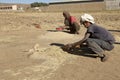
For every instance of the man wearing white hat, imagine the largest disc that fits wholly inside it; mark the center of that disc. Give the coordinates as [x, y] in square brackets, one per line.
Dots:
[97, 38]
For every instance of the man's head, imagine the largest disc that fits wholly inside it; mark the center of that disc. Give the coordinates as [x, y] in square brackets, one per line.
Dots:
[66, 14]
[86, 20]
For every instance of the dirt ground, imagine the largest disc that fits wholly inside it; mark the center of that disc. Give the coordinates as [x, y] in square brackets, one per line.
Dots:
[30, 48]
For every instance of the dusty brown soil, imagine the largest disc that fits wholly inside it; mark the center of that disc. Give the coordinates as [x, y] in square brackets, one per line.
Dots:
[28, 52]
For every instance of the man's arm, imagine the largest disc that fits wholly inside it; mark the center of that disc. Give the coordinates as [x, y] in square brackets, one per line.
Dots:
[81, 41]
[67, 47]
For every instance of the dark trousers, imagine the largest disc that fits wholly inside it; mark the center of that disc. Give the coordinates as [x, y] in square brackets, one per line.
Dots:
[98, 46]
[74, 28]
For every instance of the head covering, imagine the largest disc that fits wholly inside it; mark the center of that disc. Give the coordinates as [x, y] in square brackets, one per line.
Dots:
[87, 17]
[66, 14]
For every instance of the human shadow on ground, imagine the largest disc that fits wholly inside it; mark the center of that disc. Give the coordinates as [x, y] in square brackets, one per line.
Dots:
[57, 44]
[83, 51]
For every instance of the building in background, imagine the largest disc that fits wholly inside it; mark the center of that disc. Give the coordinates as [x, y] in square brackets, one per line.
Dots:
[112, 4]
[13, 7]
[8, 8]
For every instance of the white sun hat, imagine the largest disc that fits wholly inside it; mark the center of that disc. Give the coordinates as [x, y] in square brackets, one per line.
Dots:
[87, 17]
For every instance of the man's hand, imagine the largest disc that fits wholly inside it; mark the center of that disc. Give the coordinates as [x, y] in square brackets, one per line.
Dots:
[67, 47]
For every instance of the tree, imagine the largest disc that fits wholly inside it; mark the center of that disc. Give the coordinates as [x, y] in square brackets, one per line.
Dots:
[38, 4]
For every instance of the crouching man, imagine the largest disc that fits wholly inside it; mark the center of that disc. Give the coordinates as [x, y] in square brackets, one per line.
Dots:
[97, 38]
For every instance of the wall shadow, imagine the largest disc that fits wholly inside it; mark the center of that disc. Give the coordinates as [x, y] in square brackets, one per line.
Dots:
[114, 30]
[59, 31]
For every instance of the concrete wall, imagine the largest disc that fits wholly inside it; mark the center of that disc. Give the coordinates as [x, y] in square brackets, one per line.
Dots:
[112, 4]
[89, 6]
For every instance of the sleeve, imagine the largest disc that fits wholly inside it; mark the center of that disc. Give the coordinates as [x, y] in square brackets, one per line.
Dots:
[90, 30]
